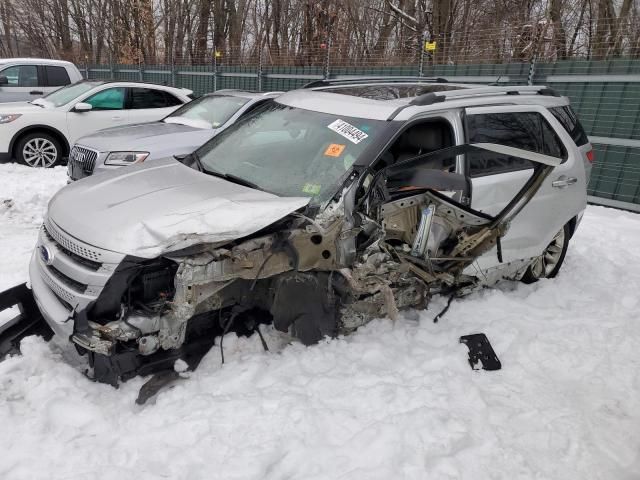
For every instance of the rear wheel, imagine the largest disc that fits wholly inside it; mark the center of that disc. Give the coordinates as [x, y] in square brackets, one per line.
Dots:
[548, 264]
[39, 150]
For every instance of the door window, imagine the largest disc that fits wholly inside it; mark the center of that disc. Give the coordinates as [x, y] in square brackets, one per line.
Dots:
[142, 98]
[525, 130]
[57, 76]
[110, 99]
[21, 76]
[419, 139]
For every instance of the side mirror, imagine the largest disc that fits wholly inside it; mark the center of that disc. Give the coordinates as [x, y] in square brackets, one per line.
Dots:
[4, 80]
[82, 107]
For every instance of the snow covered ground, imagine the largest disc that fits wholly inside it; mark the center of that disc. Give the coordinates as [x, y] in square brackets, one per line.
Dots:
[391, 401]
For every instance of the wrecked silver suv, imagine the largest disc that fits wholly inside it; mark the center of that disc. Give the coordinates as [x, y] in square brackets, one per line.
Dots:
[326, 208]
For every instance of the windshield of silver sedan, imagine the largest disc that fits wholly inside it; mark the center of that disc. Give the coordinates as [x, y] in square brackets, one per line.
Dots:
[211, 111]
[290, 151]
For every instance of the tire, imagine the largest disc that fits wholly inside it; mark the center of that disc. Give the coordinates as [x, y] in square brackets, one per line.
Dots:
[542, 267]
[39, 150]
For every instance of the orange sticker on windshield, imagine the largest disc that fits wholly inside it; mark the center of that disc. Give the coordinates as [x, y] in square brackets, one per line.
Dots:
[334, 150]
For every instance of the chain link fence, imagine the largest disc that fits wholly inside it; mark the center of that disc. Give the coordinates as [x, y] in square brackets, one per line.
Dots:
[605, 93]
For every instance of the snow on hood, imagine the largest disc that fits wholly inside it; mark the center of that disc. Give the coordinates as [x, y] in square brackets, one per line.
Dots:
[150, 209]
[153, 137]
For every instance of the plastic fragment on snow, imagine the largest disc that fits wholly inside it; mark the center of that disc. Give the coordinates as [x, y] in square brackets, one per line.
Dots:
[481, 353]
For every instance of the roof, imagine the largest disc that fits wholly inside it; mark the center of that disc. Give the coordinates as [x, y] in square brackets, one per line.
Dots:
[244, 93]
[184, 91]
[401, 100]
[29, 61]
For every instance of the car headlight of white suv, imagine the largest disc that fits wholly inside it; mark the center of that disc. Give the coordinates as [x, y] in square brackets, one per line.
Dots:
[9, 117]
[125, 158]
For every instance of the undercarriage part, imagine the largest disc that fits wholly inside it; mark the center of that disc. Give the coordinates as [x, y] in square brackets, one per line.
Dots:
[28, 322]
[376, 290]
[481, 354]
[158, 382]
[126, 361]
[305, 306]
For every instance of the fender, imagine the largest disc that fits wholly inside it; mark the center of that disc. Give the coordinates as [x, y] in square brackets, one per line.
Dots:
[47, 128]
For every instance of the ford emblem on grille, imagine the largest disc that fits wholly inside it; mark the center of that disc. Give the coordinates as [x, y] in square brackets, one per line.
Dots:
[46, 255]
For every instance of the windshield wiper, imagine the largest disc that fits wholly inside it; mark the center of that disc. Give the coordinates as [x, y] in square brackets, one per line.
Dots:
[227, 176]
[189, 159]
[241, 181]
[232, 178]
[196, 157]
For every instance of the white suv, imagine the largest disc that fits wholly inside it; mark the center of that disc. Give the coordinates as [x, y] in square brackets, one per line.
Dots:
[39, 133]
[23, 79]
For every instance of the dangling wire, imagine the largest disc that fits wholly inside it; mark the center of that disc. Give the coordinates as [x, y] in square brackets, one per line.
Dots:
[264, 343]
[224, 332]
[444, 310]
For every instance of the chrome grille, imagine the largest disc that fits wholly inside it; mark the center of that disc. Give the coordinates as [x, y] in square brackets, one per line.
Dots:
[82, 161]
[59, 291]
[69, 244]
[67, 281]
[90, 264]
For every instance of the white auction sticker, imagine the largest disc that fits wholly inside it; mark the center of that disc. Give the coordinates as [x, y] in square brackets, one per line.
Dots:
[348, 131]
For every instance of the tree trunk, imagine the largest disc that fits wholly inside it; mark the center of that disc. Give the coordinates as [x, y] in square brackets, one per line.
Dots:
[559, 32]
[200, 47]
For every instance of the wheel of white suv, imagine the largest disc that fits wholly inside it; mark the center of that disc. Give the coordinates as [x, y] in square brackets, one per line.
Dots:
[39, 150]
[548, 264]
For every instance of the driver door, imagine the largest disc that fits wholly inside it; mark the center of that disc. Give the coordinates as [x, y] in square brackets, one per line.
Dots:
[108, 111]
[497, 178]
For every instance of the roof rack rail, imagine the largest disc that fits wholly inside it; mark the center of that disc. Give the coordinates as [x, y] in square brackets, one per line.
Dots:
[497, 90]
[437, 97]
[355, 80]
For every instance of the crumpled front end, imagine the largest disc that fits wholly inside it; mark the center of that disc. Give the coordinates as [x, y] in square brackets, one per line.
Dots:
[311, 278]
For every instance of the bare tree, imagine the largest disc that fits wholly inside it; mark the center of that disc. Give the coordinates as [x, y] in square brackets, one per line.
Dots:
[303, 31]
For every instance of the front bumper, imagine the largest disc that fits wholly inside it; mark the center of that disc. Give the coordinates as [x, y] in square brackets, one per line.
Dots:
[57, 316]
[73, 276]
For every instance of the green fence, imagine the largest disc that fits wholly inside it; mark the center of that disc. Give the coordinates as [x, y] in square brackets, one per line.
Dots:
[605, 94]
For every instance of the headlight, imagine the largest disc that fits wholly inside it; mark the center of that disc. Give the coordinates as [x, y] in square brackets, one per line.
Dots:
[125, 158]
[9, 117]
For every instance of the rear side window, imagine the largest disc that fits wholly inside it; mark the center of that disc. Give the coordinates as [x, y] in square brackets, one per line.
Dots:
[148, 98]
[109, 99]
[57, 76]
[569, 120]
[524, 130]
[173, 101]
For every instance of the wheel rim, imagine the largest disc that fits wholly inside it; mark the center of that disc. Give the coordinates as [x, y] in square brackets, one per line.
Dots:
[39, 152]
[547, 262]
